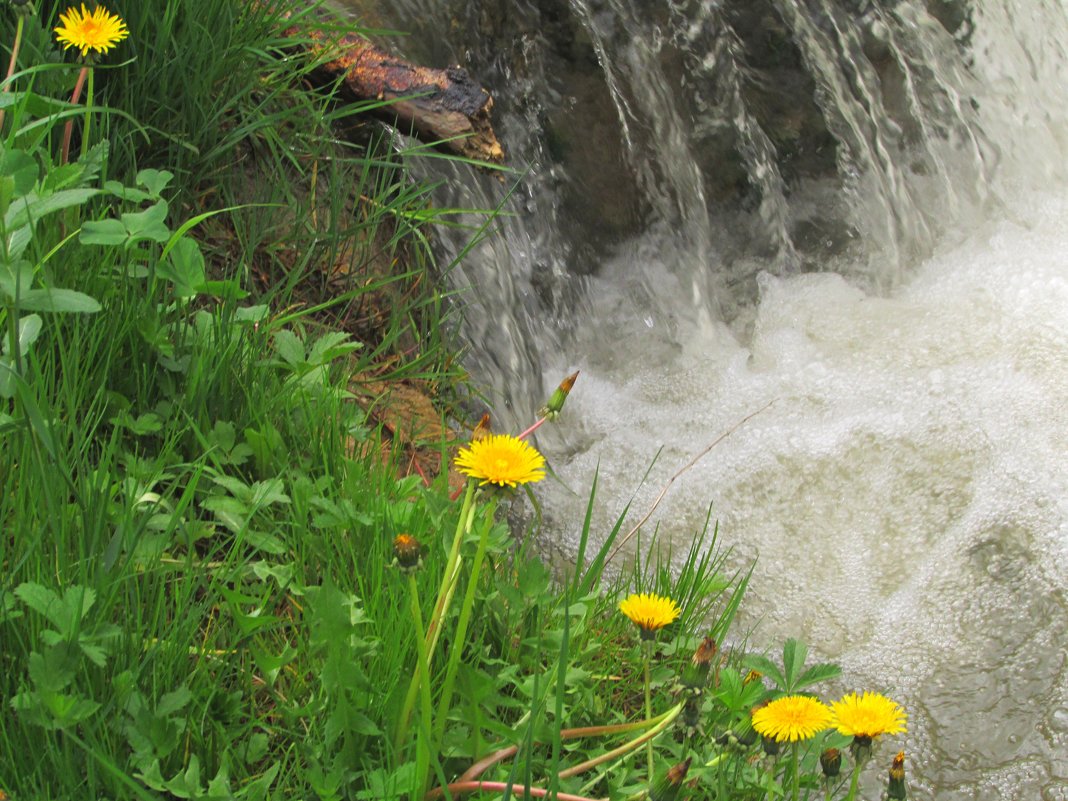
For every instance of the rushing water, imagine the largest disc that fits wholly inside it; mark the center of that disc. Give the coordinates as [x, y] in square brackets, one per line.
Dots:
[857, 211]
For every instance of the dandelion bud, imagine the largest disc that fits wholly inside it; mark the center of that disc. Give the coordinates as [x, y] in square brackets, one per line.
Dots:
[695, 675]
[407, 553]
[482, 430]
[667, 785]
[895, 787]
[556, 402]
[831, 762]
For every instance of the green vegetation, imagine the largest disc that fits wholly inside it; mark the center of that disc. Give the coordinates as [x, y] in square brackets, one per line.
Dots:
[205, 593]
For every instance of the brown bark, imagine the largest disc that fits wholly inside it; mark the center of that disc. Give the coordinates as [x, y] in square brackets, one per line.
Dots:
[444, 107]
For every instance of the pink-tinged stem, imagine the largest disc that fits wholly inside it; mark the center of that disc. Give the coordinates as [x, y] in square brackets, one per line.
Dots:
[502, 754]
[14, 58]
[502, 787]
[533, 428]
[68, 129]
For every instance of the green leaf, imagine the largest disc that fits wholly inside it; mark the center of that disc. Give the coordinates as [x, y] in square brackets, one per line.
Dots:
[53, 670]
[794, 653]
[127, 193]
[816, 674]
[63, 613]
[266, 493]
[251, 314]
[763, 665]
[289, 347]
[268, 543]
[17, 241]
[184, 267]
[155, 181]
[172, 702]
[102, 232]
[330, 346]
[29, 329]
[149, 224]
[32, 208]
[58, 300]
[227, 290]
[21, 168]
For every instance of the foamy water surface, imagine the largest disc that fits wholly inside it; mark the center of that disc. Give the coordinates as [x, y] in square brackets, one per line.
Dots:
[905, 497]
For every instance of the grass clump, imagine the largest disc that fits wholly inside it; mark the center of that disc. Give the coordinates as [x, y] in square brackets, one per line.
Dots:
[198, 520]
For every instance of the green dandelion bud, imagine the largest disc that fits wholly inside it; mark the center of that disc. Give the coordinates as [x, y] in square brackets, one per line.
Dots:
[667, 785]
[895, 786]
[831, 762]
[555, 403]
[407, 553]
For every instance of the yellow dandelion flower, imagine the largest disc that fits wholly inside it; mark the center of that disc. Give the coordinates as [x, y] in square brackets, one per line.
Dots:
[98, 31]
[792, 718]
[867, 716]
[501, 459]
[649, 612]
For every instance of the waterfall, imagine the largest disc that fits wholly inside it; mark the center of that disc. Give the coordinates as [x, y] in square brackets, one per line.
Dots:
[857, 211]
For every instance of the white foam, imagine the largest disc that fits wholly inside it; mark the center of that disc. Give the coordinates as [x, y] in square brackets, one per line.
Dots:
[906, 494]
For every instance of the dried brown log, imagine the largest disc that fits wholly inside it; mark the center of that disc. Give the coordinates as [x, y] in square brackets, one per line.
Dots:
[441, 106]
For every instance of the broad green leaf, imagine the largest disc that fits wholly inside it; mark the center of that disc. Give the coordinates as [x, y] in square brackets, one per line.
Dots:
[15, 278]
[53, 670]
[173, 701]
[817, 673]
[155, 181]
[330, 346]
[58, 300]
[31, 208]
[761, 664]
[102, 232]
[21, 167]
[251, 314]
[149, 224]
[268, 543]
[63, 613]
[184, 267]
[127, 193]
[29, 328]
[794, 653]
[289, 347]
[266, 493]
[17, 242]
[227, 290]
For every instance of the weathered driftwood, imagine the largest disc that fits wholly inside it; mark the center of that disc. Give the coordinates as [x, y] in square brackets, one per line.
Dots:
[438, 106]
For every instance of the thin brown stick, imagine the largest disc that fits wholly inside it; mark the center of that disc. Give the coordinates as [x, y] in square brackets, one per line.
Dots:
[626, 537]
[539, 792]
[501, 754]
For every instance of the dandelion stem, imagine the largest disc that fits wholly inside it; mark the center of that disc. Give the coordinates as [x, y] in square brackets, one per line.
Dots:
[422, 760]
[797, 771]
[506, 787]
[445, 699]
[854, 780]
[68, 129]
[479, 767]
[441, 606]
[14, 58]
[88, 111]
[662, 722]
[533, 428]
[648, 702]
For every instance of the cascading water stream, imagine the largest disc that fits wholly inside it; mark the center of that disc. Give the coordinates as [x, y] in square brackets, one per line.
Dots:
[859, 211]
